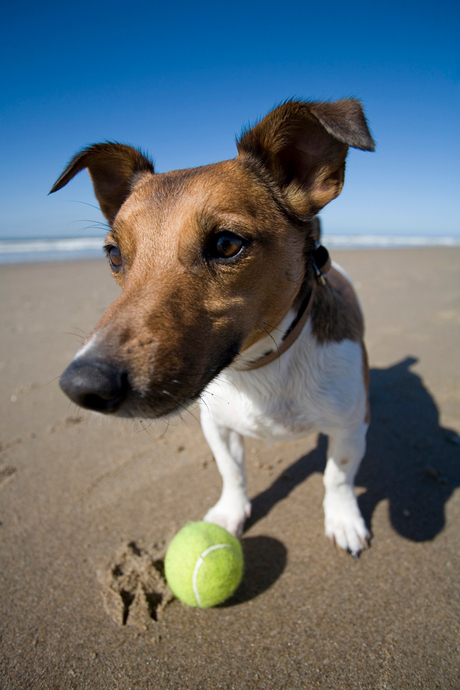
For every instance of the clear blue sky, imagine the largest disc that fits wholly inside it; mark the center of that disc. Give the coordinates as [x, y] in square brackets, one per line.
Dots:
[180, 79]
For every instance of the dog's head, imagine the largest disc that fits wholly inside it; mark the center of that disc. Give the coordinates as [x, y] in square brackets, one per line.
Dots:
[209, 259]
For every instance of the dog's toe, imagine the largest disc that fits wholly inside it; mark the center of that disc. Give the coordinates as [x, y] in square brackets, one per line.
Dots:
[352, 536]
[229, 517]
[345, 526]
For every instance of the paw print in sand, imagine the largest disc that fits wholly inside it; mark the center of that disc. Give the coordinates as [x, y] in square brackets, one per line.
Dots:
[134, 588]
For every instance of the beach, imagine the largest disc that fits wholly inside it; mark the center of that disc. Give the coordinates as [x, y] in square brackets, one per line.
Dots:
[88, 505]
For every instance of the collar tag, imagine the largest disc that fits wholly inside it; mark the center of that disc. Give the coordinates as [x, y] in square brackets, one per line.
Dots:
[321, 263]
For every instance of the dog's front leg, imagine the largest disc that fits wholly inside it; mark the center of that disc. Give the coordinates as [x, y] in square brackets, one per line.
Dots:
[343, 521]
[233, 507]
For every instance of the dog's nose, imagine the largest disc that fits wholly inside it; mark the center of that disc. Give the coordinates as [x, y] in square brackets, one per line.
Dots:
[94, 385]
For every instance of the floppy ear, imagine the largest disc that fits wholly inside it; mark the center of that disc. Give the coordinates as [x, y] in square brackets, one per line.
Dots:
[112, 168]
[303, 147]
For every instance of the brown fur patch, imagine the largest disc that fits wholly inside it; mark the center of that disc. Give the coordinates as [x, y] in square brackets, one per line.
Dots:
[367, 417]
[336, 314]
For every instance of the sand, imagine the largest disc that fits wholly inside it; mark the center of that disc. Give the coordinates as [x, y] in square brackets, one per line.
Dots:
[88, 504]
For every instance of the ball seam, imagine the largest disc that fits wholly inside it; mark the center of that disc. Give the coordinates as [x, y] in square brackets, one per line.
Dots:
[199, 563]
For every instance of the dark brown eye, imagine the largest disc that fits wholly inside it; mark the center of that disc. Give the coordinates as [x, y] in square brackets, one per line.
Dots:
[115, 257]
[225, 245]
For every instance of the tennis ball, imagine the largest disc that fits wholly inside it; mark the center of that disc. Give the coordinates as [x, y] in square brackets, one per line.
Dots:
[203, 564]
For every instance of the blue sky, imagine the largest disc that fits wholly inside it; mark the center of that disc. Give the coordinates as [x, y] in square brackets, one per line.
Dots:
[181, 79]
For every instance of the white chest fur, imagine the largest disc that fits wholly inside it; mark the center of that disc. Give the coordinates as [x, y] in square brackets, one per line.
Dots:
[310, 388]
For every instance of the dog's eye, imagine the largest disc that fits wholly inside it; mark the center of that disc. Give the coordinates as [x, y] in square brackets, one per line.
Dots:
[225, 245]
[115, 257]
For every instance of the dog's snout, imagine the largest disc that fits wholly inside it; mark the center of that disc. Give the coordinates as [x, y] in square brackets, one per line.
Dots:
[94, 385]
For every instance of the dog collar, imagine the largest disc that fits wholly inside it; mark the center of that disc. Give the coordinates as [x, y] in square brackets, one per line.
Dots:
[321, 265]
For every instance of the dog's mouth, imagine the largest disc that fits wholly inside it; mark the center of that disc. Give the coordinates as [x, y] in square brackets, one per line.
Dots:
[100, 385]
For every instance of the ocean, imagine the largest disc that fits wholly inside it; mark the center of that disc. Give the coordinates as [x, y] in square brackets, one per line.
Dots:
[14, 251]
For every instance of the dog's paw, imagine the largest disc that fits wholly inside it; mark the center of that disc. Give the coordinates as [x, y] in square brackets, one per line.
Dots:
[344, 524]
[229, 515]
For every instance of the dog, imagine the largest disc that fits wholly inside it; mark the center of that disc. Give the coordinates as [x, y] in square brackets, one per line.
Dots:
[227, 300]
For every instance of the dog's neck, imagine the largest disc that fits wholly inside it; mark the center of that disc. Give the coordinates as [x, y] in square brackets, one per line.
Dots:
[281, 338]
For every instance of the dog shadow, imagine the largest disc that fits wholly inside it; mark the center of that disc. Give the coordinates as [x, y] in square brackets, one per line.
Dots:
[410, 460]
[265, 559]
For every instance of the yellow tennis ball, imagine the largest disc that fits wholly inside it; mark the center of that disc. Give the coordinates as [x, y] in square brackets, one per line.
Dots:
[204, 564]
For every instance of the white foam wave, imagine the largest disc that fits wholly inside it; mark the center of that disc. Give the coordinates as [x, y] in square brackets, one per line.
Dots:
[388, 241]
[71, 244]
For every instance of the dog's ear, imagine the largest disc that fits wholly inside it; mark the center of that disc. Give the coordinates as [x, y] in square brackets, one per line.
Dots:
[303, 147]
[112, 168]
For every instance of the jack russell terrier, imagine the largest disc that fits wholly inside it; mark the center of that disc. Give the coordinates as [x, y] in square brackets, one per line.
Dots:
[227, 299]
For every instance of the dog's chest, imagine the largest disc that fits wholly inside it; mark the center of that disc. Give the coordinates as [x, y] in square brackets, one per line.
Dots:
[260, 413]
[293, 396]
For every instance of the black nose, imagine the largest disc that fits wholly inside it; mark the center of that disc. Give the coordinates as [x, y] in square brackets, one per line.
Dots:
[94, 385]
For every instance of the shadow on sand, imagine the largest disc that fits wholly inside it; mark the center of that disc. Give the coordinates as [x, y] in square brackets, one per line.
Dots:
[264, 560]
[410, 460]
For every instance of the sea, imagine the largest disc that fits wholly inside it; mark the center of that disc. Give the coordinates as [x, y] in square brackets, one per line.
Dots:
[13, 251]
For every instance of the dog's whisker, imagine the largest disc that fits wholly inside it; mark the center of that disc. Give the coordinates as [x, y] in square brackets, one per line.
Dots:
[190, 412]
[52, 380]
[93, 227]
[143, 428]
[166, 421]
[214, 395]
[81, 338]
[96, 223]
[85, 333]
[84, 203]
[270, 335]
[203, 402]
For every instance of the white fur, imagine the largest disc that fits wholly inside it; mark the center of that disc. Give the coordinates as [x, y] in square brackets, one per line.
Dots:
[310, 388]
[90, 343]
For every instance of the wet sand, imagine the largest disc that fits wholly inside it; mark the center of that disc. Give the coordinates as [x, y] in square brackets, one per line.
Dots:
[87, 505]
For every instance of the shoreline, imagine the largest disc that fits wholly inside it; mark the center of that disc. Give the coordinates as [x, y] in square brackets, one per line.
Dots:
[30, 250]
